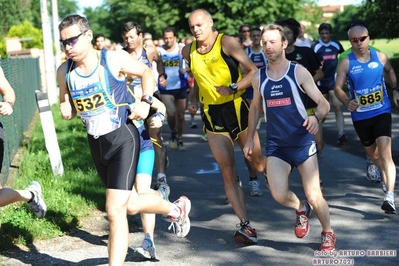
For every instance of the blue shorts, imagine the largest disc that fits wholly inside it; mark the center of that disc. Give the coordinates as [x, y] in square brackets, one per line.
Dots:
[294, 156]
[147, 157]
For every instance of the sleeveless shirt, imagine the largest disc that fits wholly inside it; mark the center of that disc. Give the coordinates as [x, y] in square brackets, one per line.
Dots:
[214, 68]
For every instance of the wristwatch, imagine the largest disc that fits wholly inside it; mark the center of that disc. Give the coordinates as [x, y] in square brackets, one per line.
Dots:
[234, 87]
[147, 99]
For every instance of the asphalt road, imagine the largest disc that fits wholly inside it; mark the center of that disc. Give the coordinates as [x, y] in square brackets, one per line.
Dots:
[365, 234]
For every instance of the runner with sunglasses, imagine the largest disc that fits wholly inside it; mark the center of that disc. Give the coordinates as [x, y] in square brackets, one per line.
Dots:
[364, 70]
[93, 84]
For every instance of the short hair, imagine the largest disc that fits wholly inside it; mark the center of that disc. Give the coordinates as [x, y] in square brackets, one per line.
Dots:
[75, 19]
[325, 26]
[272, 26]
[255, 29]
[358, 26]
[99, 35]
[290, 23]
[169, 29]
[128, 26]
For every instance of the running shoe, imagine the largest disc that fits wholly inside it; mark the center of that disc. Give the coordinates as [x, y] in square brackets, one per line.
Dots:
[342, 139]
[192, 125]
[37, 203]
[373, 173]
[173, 143]
[255, 191]
[165, 191]
[146, 250]
[327, 241]
[389, 206]
[302, 222]
[204, 137]
[180, 146]
[181, 225]
[246, 234]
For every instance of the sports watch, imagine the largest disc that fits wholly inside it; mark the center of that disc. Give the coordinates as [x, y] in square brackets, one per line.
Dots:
[234, 87]
[147, 99]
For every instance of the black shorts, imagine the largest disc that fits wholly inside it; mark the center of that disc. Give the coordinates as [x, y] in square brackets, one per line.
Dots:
[178, 94]
[230, 117]
[116, 155]
[370, 129]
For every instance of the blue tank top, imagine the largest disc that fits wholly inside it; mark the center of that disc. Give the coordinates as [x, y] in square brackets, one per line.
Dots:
[100, 98]
[366, 84]
[284, 102]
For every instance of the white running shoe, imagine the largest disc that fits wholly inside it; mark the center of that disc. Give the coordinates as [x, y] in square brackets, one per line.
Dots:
[373, 173]
[181, 225]
[146, 250]
[37, 203]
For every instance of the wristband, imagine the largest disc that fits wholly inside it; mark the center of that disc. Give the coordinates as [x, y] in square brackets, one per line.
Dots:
[147, 99]
[395, 88]
[314, 114]
[160, 115]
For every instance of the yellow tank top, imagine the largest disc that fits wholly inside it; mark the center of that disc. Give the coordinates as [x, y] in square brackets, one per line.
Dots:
[214, 68]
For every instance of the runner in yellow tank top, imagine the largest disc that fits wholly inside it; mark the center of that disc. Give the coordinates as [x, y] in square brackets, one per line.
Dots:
[215, 60]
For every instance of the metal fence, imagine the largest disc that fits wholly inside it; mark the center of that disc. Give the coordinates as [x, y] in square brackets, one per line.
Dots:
[24, 76]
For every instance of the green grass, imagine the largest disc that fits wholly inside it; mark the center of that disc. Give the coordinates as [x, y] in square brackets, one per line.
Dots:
[69, 198]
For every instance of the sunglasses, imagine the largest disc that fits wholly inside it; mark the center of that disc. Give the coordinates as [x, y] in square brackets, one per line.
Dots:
[71, 41]
[361, 39]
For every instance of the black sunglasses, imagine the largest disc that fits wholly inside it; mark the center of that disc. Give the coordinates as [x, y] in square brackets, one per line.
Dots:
[71, 41]
[361, 39]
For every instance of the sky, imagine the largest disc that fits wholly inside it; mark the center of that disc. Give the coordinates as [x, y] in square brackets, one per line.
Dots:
[95, 3]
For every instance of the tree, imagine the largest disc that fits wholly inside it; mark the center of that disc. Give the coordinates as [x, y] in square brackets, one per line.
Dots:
[26, 30]
[13, 12]
[340, 21]
[154, 15]
[381, 17]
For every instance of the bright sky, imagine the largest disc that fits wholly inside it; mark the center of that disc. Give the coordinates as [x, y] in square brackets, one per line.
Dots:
[95, 3]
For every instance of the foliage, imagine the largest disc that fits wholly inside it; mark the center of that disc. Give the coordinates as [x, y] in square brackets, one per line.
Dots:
[66, 7]
[228, 15]
[27, 30]
[3, 49]
[69, 198]
[341, 21]
[381, 17]
[13, 12]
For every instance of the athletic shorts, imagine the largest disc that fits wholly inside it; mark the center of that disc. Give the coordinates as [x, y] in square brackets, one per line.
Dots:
[178, 94]
[147, 157]
[370, 129]
[230, 117]
[325, 90]
[294, 156]
[116, 155]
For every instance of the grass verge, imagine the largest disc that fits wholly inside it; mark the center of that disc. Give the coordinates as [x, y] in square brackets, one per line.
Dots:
[69, 198]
